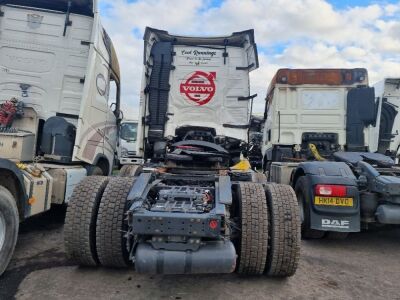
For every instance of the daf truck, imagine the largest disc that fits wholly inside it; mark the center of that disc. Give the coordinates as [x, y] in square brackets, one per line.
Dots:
[321, 137]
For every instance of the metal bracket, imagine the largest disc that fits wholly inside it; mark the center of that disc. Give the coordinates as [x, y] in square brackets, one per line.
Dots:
[24, 89]
[247, 98]
[225, 190]
[245, 68]
[139, 186]
[236, 126]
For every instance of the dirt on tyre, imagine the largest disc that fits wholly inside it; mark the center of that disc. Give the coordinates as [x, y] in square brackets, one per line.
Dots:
[80, 221]
[111, 223]
[253, 217]
[130, 171]
[303, 194]
[9, 223]
[284, 231]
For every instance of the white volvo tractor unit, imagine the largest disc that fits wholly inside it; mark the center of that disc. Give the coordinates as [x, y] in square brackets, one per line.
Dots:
[197, 206]
[56, 123]
[321, 137]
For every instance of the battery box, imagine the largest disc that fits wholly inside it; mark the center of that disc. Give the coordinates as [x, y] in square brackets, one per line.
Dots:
[18, 146]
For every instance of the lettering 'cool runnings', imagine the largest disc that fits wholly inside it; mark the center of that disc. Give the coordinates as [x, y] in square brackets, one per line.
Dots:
[198, 87]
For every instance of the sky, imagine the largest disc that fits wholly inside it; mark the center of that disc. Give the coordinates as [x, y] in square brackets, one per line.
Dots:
[288, 33]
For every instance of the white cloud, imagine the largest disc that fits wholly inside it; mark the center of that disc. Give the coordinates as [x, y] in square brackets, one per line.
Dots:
[313, 32]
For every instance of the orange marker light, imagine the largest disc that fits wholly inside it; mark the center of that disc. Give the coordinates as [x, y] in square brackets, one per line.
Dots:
[31, 200]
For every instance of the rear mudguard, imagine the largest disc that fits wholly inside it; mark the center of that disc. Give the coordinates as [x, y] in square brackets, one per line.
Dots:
[332, 218]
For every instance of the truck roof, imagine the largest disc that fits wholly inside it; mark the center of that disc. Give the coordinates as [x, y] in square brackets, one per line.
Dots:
[235, 39]
[332, 77]
[80, 7]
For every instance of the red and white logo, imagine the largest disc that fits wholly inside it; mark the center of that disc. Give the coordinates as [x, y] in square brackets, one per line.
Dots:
[198, 87]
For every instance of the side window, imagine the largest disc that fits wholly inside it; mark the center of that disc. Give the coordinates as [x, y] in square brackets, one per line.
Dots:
[269, 111]
[112, 92]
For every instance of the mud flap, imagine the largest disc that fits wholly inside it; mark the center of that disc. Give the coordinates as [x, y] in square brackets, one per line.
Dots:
[335, 218]
[336, 222]
[330, 217]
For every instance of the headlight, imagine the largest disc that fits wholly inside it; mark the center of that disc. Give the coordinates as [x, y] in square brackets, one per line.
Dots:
[124, 152]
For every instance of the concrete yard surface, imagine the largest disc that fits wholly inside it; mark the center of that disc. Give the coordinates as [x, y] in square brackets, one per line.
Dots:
[363, 266]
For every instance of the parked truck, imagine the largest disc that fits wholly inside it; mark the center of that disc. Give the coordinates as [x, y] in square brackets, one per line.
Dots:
[197, 207]
[57, 125]
[320, 137]
[127, 149]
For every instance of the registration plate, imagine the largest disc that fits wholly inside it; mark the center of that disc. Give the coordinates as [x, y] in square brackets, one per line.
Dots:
[333, 201]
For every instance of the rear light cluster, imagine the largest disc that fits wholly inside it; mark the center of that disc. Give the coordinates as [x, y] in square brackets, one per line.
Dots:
[213, 224]
[321, 76]
[328, 190]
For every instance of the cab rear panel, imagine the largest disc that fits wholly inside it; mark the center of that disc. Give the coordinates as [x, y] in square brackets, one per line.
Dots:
[196, 82]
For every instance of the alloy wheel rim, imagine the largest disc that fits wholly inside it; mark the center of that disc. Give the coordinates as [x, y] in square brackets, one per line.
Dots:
[2, 230]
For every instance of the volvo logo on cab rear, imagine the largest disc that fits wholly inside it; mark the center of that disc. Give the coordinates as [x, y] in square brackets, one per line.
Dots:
[198, 88]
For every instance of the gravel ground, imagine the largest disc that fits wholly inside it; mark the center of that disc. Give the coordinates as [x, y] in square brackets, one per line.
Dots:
[364, 266]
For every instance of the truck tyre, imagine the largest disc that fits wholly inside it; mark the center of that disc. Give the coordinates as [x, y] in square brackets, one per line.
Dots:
[258, 177]
[303, 190]
[267, 169]
[284, 231]
[80, 221]
[111, 224]
[253, 244]
[97, 171]
[94, 170]
[9, 223]
[130, 170]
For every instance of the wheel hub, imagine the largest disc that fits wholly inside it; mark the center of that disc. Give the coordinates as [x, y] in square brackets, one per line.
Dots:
[2, 230]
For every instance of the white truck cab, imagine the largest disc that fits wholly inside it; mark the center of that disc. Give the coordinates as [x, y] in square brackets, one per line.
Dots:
[195, 88]
[58, 122]
[127, 149]
[310, 105]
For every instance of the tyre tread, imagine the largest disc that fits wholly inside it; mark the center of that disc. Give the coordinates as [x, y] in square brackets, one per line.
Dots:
[80, 221]
[110, 240]
[284, 231]
[254, 226]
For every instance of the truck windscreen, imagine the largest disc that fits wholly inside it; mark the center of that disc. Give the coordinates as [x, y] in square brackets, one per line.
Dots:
[81, 7]
[128, 131]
